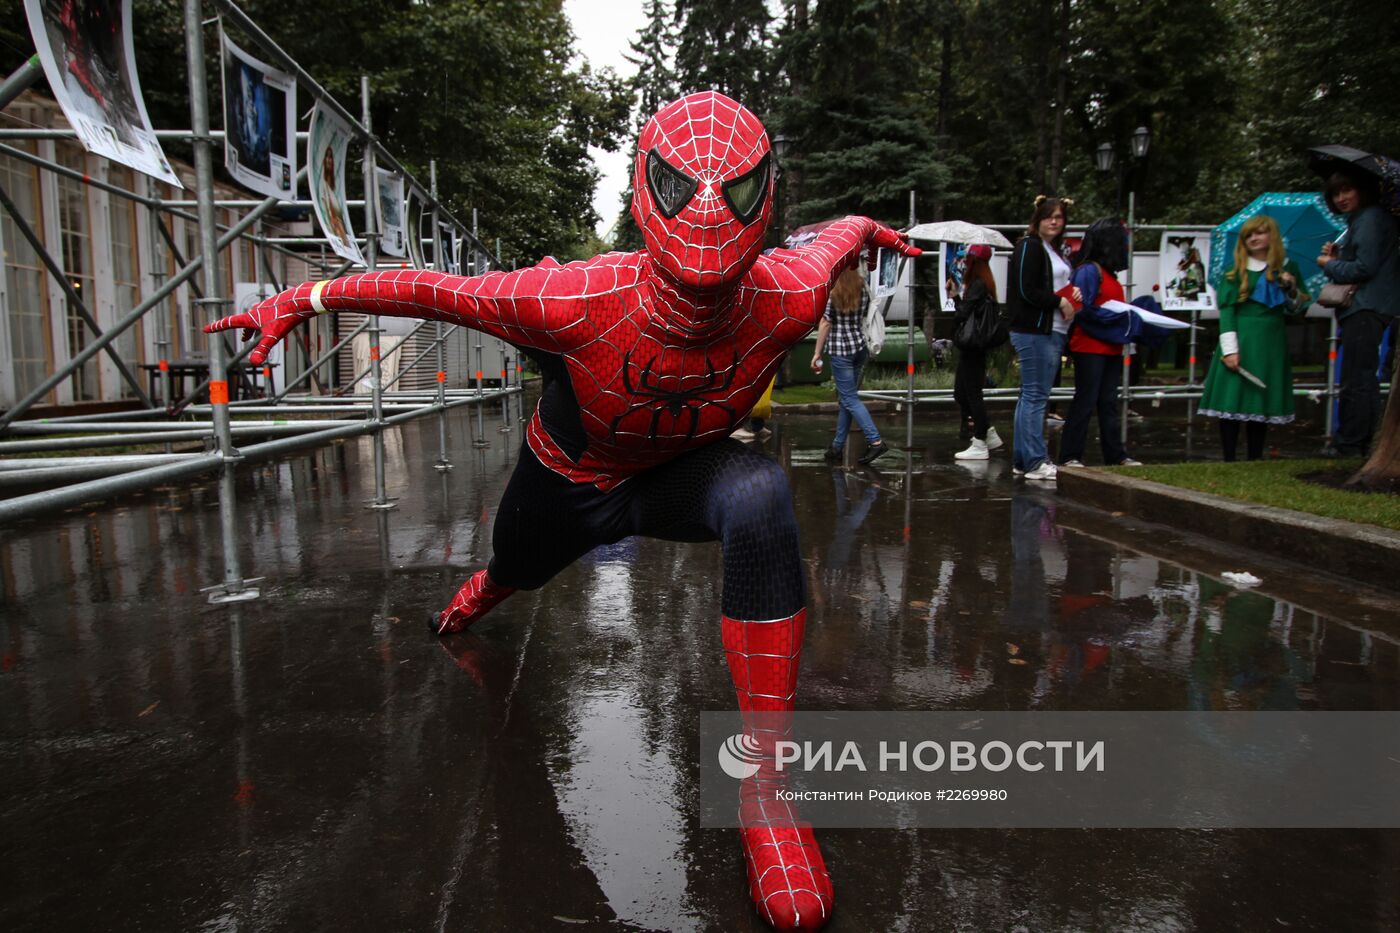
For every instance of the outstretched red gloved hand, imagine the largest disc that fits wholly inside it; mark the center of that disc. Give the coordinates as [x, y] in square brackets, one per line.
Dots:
[888, 238]
[273, 317]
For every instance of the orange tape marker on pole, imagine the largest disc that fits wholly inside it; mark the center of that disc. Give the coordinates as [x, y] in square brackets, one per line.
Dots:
[165, 366]
[374, 353]
[218, 392]
[441, 376]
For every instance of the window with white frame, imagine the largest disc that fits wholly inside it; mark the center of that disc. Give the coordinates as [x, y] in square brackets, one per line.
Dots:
[126, 270]
[26, 285]
[75, 234]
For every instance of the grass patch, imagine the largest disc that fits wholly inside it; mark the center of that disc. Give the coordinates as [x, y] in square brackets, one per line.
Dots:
[1277, 483]
[805, 394]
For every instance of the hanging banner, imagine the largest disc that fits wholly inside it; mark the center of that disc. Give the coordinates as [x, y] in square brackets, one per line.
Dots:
[1184, 258]
[330, 140]
[448, 250]
[392, 234]
[260, 107]
[414, 210]
[85, 48]
[886, 273]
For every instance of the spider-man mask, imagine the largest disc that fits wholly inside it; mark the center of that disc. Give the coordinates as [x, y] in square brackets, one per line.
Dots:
[702, 189]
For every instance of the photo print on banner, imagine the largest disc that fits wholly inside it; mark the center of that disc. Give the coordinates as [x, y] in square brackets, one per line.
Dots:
[448, 249]
[1185, 258]
[392, 234]
[414, 210]
[886, 273]
[330, 140]
[85, 49]
[260, 107]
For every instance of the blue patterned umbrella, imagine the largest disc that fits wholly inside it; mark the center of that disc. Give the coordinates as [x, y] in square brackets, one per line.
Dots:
[1302, 218]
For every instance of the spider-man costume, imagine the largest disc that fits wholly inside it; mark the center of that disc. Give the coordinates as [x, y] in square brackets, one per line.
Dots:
[651, 359]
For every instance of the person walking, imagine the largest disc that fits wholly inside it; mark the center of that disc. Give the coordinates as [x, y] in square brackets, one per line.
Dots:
[1364, 256]
[1250, 382]
[1098, 362]
[840, 326]
[975, 310]
[1039, 306]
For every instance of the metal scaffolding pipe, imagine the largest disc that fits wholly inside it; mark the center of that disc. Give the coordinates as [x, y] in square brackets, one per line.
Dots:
[33, 428]
[30, 463]
[71, 293]
[282, 59]
[435, 345]
[365, 372]
[20, 507]
[159, 295]
[153, 204]
[54, 132]
[329, 354]
[20, 80]
[199, 435]
[50, 499]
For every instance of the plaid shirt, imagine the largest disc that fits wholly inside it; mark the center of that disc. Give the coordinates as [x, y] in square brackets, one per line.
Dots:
[847, 336]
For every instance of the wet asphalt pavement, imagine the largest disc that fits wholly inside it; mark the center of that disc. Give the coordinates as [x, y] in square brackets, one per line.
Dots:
[315, 761]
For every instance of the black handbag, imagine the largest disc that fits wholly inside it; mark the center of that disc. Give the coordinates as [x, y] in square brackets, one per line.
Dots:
[981, 327]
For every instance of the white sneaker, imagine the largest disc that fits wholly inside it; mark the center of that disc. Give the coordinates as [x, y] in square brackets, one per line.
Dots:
[976, 451]
[1073, 463]
[1045, 472]
[993, 440]
[1129, 461]
[742, 434]
[1017, 471]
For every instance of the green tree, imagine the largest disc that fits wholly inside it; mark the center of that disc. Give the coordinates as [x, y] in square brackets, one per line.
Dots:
[860, 127]
[723, 45]
[653, 86]
[485, 87]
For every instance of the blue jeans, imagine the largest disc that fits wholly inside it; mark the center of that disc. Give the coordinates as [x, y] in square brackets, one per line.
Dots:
[846, 372]
[1040, 357]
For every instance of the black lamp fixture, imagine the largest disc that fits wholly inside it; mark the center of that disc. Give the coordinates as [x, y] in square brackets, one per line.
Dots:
[1103, 157]
[1141, 139]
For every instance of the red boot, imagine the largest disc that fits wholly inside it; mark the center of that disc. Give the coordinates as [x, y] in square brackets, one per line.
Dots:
[788, 880]
[477, 597]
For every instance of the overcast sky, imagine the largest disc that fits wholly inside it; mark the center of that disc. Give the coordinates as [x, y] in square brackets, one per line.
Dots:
[604, 28]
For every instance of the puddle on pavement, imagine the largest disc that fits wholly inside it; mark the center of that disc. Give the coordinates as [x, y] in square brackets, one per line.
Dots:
[315, 760]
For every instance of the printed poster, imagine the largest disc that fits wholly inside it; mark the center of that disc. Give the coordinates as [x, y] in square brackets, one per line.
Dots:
[328, 149]
[886, 273]
[1185, 258]
[85, 49]
[260, 107]
[416, 202]
[392, 235]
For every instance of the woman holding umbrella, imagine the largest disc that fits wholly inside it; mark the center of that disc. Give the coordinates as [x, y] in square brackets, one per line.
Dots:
[1365, 256]
[1250, 381]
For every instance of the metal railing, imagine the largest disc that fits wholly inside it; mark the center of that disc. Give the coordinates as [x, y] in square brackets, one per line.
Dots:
[76, 479]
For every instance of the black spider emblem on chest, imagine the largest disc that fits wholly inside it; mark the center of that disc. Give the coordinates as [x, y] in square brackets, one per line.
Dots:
[676, 402]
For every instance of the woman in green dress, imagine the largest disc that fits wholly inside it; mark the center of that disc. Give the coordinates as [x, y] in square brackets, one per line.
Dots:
[1250, 382]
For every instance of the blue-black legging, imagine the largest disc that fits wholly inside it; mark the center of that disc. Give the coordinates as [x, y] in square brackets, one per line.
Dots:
[723, 492]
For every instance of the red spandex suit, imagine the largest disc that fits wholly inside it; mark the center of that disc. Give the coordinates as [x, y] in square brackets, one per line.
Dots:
[650, 360]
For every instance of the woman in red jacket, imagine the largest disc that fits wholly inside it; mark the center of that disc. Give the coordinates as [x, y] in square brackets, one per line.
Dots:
[1098, 364]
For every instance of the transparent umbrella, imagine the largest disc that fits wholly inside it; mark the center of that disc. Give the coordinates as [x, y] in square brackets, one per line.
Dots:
[959, 231]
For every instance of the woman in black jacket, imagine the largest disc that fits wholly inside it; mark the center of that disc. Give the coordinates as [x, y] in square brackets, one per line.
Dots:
[1038, 299]
[1365, 256]
[979, 297]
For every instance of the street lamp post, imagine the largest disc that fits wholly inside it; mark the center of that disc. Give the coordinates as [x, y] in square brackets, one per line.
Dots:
[780, 145]
[1138, 144]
